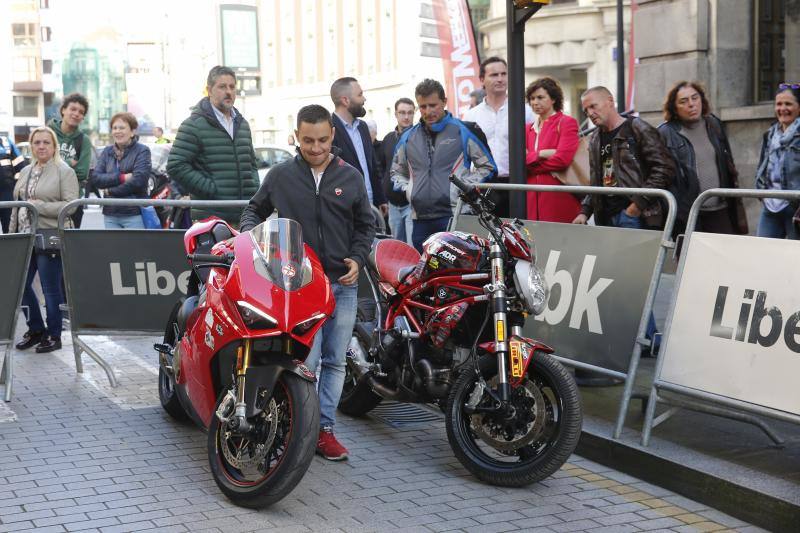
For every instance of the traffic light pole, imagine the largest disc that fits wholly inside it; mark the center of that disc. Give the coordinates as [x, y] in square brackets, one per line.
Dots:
[515, 23]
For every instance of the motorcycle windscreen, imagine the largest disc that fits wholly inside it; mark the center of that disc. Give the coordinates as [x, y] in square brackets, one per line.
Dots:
[281, 254]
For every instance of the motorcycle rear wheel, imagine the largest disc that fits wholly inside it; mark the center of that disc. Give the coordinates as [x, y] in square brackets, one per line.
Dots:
[166, 381]
[357, 398]
[264, 475]
[548, 421]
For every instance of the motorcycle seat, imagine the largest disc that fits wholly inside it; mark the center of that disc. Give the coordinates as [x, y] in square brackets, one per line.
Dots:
[393, 260]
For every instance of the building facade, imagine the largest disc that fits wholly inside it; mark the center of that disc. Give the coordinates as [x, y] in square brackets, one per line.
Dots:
[739, 49]
[26, 56]
[388, 45]
[573, 41]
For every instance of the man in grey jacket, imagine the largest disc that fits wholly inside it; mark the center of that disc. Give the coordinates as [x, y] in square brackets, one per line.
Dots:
[329, 200]
[428, 153]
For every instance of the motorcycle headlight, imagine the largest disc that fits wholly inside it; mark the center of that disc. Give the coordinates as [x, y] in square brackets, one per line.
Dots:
[532, 286]
[255, 318]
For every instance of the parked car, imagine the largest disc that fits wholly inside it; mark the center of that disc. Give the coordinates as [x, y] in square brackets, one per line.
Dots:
[268, 156]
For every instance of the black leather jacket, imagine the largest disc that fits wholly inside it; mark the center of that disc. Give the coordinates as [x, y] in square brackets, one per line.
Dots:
[640, 160]
[687, 186]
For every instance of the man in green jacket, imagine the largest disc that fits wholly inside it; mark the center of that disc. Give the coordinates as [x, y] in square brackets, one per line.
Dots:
[74, 146]
[212, 157]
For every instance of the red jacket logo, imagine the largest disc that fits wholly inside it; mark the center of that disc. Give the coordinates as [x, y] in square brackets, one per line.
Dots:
[338, 191]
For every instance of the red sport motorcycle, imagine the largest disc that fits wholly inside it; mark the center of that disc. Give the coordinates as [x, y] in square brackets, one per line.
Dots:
[445, 327]
[233, 352]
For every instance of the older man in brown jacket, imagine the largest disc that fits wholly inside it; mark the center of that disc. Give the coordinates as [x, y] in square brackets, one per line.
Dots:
[623, 152]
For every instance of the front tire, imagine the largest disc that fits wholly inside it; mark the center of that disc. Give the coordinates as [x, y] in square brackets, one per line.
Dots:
[258, 471]
[527, 447]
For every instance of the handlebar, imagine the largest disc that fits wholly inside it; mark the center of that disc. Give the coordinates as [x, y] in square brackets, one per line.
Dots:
[210, 258]
[470, 193]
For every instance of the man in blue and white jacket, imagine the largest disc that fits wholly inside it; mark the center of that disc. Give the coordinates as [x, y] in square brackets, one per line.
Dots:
[429, 152]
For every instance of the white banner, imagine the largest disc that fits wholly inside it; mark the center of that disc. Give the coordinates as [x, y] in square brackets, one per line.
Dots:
[736, 327]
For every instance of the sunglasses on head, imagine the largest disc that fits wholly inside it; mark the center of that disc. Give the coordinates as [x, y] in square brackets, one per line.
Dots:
[783, 86]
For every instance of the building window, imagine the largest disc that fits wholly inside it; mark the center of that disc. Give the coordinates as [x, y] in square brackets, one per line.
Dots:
[44, 4]
[47, 66]
[49, 98]
[26, 106]
[25, 69]
[24, 34]
[777, 39]
[47, 33]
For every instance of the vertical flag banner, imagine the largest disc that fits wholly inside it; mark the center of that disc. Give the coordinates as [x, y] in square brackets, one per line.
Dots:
[459, 53]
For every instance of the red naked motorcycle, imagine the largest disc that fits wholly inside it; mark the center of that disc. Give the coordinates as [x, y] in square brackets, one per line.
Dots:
[445, 327]
[233, 352]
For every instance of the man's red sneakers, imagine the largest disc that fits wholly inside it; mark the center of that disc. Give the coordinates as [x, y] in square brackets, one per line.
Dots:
[330, 448]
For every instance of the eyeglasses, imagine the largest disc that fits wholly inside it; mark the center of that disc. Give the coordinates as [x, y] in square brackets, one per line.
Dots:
[784, 85]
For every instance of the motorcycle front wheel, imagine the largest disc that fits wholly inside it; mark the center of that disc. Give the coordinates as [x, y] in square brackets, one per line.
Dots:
[261, 467]
[529, 442]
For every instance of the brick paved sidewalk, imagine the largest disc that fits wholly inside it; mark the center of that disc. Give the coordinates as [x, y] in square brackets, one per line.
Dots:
[77, 455]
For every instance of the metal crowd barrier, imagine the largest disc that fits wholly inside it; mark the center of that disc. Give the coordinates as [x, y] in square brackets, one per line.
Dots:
[710, 402]
[123, 281]
[665, 243]
[16, 250]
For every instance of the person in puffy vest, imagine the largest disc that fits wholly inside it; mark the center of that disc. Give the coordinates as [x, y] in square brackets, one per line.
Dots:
[212, 157]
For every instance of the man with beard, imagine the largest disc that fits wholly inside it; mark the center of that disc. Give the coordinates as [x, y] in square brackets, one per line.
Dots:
[212, 157]
[354, 142]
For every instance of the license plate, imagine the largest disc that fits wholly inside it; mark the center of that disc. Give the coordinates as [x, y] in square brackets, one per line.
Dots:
[515, 350]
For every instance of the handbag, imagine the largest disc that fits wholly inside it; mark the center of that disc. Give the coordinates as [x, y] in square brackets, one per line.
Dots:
[150, 217]
[577, 173]
[47, 241]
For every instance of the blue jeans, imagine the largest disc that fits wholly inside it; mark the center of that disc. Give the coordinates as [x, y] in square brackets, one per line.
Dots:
[50, 275]
[124, 222]
[777, 225]
[400, 222]
[330, 348]
[425, 228]
[624, 220]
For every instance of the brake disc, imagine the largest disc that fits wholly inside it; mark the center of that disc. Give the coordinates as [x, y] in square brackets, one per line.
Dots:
[492, 430]
[247, 455]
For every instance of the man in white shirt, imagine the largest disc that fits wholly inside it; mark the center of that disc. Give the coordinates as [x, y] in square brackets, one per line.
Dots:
[492, 117]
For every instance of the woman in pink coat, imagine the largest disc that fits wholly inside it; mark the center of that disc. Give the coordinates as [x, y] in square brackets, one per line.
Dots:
[551, 142]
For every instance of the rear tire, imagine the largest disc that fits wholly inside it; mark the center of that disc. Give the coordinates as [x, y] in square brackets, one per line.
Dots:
[166, 381]
[357, 398]
[552, 420]
[291, 448]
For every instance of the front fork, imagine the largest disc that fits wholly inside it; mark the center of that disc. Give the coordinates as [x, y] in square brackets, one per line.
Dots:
[499, 309]
[238, 419]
